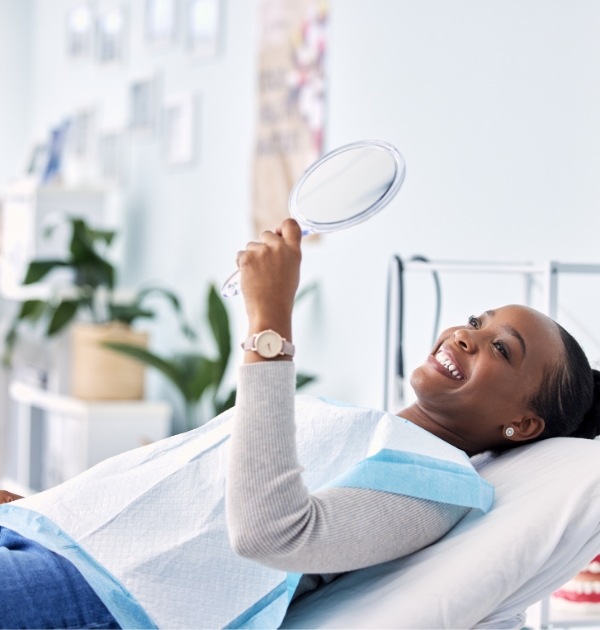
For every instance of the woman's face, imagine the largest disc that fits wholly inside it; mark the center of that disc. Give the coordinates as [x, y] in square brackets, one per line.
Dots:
[497, 362]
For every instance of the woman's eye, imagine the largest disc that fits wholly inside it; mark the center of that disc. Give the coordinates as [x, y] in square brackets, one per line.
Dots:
[473, 321]
[501, 348]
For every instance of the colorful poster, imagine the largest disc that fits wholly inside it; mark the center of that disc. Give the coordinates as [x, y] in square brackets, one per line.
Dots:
[291, 102]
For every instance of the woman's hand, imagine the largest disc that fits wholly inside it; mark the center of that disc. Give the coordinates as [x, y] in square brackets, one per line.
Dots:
[7, 497]
[270, 273]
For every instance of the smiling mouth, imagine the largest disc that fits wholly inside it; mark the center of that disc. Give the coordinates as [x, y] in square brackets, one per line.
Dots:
[445, 361]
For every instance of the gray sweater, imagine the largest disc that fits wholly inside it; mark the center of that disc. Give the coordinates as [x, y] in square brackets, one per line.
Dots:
[273, 519]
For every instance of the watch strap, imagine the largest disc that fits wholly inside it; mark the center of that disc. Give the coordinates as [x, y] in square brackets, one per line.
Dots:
[288, 348]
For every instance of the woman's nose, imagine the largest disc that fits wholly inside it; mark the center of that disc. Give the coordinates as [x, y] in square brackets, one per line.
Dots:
[464, 339]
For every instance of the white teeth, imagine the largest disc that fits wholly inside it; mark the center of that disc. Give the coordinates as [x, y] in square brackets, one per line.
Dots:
[443, 359]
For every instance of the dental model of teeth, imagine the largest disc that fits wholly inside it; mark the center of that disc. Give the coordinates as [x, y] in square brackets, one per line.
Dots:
[582, 593]
[444, 360]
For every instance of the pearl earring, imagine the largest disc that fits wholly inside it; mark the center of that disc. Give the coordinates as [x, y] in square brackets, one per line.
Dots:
[509, 432]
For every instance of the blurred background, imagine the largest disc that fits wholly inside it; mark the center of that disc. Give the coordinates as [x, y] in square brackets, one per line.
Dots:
[143, 143]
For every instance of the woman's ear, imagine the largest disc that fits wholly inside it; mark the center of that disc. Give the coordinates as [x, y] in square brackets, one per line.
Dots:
[528, 427]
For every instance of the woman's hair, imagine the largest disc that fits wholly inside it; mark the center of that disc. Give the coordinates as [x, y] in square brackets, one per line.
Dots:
[569, 397]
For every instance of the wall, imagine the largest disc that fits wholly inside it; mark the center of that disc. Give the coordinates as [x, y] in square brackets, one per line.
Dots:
[15, 49]
[494, 105]
[495, 108]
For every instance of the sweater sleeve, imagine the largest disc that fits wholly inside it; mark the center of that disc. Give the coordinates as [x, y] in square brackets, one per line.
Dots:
[274, 520]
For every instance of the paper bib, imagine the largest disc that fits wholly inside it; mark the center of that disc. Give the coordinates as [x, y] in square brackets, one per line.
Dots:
[147, 528]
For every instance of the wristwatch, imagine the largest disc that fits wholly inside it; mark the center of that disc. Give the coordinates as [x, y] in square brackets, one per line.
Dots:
[269, 344]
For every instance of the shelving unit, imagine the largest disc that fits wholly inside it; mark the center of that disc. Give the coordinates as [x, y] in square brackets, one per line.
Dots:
[78, 434]
[27, 208]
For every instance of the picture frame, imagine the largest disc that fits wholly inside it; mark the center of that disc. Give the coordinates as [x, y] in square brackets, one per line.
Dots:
[179, 129]
[143, 105]
[79, 26]
[203, 26]
[81, 133]
[111, 26]
[112, 146]
[160, 21]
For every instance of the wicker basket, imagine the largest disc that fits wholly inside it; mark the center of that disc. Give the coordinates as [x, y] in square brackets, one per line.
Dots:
[102, 374]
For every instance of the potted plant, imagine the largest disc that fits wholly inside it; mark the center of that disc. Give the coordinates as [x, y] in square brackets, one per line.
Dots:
[196, 375]
[96, 373]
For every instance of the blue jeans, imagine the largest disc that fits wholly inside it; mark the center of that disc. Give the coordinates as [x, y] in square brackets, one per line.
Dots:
[40, 589]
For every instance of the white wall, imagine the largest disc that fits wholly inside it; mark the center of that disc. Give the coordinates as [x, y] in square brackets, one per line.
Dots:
[15, 47]
[495, 106]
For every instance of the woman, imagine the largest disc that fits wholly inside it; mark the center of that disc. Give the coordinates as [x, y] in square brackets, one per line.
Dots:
[509, 377]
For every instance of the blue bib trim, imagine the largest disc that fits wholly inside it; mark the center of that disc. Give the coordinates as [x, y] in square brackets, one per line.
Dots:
[419, 476]
[267, 612]
[119, 601]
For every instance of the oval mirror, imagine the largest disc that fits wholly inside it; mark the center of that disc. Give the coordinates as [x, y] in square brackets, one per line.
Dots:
[343, 188]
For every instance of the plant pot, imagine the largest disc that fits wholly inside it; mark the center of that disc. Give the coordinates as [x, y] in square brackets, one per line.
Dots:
[98, 373]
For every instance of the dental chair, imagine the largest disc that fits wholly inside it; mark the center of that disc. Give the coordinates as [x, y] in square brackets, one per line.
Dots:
[543, 529]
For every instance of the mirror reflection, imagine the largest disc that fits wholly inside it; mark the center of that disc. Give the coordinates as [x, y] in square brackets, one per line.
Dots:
[346, 185]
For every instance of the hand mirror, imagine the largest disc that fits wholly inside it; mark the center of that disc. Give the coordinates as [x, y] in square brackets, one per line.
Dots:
[345, 187]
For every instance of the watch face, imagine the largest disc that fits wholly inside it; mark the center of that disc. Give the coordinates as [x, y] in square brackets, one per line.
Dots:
[268, 344]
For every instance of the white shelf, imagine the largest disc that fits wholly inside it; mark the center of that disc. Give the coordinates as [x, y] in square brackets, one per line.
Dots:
[80, 434]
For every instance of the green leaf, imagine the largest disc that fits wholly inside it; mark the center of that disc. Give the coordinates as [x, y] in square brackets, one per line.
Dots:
[107, 236]
[219, 323]
[227, 403]
[94, 272]
[304, 379]
[311, 288]
[10, 341]
[164, 292]
[83, 242]
[127, 313]
[148, 358]
[32, 310]
[82, 245]
[207, 375]
[39, 268]
[63, 314]
[174, 300]
[49, 229]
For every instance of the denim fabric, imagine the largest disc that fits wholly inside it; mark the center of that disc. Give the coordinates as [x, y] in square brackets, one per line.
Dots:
[40, 589]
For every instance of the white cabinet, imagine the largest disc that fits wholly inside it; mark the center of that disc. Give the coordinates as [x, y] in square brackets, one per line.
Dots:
[71, 435]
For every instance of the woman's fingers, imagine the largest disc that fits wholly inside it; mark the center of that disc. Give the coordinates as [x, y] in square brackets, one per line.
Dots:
[8, 497]
[291, 232]
[270, 238]
[270, 272]
[252, 246]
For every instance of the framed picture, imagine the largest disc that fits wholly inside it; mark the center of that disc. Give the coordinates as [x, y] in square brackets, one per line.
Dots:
[143, 105]
[178, 129]
[203, 27]
[79, 25]
[111, 156]
[110, 35]
[78, 164]
[161, 22]
[81, 134]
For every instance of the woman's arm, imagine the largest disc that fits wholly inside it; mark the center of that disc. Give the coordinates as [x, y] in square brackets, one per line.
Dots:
[273, 519]
[271, 516]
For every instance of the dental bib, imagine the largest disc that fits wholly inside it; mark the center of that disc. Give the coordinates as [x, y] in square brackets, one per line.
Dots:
[147, 528]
